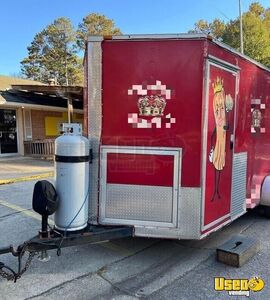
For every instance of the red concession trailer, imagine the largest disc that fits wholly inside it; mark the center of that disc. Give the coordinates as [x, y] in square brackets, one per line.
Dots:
[179, 127]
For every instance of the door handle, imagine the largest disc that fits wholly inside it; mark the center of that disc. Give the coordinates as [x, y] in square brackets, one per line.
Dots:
[231, 141]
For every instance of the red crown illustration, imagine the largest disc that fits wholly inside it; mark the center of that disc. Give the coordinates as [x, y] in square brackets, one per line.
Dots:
[153, 105]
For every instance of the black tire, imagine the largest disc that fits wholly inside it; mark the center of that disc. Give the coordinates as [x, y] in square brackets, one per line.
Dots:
[266, 211]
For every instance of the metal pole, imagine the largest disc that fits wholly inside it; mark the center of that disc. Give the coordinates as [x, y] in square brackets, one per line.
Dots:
[241, 29]
[70, 109]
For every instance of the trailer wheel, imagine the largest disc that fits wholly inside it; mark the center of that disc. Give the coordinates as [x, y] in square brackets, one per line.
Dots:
[266, 211]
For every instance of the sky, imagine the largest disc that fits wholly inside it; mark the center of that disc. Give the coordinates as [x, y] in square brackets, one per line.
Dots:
[20, 20]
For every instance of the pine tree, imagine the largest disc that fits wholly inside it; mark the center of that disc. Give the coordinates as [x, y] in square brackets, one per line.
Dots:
[95, 24]
[52, 54]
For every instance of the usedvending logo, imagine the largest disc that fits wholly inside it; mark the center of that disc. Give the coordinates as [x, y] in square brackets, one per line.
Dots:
[151, 102]
[239, 287]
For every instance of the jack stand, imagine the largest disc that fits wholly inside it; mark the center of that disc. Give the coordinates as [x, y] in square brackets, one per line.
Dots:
[43, 256]
[44, 232]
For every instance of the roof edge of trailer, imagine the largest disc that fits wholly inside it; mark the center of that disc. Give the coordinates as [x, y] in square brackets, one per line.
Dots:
[96, 38]
[227, 47]
[177, 36]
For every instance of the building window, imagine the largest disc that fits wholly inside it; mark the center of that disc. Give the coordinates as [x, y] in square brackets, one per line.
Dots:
[27, 125]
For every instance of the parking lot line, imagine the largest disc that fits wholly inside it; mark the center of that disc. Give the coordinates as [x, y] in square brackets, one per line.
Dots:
[26, 178]
[23, 211]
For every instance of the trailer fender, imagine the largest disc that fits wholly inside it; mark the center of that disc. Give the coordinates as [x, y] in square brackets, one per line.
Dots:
[265, 192]
[265, 196]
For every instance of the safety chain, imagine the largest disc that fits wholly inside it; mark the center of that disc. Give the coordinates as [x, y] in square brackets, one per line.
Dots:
[12, 275]
[7, 275]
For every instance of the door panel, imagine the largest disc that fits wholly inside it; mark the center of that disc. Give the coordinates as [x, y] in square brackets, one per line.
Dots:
[139, 186]
[220, 136]
[8, 131]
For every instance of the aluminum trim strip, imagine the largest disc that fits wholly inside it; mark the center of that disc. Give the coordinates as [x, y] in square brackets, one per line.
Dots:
[215, 222]
[140, 151]
[222, 62]
[94, 122]
[108, 221]
[139, 148]
[215, 229]
[204, 138]
[95, 38]
[224, 66]
[150, 36]
[162, 232]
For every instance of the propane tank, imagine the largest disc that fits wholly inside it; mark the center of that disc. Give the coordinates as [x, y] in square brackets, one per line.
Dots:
[72, 178]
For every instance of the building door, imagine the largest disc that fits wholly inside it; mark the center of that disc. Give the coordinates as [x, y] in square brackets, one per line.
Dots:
[8, 131]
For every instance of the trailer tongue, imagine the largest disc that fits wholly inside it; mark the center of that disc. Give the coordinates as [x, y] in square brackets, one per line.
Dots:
[57, 240]
[68, 200]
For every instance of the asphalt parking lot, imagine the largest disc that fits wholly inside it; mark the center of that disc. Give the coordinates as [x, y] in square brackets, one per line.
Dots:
[129, 268]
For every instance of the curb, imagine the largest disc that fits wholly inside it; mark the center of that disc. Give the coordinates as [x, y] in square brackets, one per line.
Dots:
[26, 178]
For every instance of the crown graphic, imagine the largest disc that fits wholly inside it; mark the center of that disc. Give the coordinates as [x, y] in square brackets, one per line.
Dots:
[218, 85]
[153, 105]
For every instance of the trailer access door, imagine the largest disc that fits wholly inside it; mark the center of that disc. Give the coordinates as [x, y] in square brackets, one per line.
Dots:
[218, 152]
[139, 185]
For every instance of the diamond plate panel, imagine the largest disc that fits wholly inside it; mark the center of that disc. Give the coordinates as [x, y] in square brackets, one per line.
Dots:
[238, 202]
[157, 232]
[189, 212]
[94, 106]
[189, 216]
[139, 203]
